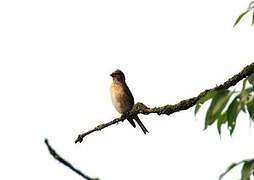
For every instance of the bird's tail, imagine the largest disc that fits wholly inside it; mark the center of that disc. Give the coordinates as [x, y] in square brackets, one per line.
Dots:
[131, 122]
[141, 125]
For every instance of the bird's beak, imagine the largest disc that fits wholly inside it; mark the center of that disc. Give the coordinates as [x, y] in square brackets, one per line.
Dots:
[111, 74]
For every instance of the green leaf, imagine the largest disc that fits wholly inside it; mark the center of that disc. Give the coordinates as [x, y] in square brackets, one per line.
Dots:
[250, 107]
[197, 107]
[221, 120]
[244, 98]
[232, 113]
[251, 77]
[210, 94]
[249, 89]
[252, 18]
[243, 95]
[244, 84]
[218, 103]
[247, 170]
[240, 17]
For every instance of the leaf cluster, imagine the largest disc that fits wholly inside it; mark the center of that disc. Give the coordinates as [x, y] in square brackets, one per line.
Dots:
[225, 105]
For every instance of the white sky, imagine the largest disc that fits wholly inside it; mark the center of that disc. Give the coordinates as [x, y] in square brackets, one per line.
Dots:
[55, 61]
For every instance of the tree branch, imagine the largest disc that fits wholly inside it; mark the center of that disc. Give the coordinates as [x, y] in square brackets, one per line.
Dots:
[140, 108]
[66, 163]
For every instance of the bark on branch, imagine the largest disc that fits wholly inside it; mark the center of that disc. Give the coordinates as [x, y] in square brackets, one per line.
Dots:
[140, 108]
[66, 163]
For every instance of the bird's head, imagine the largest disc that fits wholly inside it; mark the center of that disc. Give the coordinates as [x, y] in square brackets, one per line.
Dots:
[118, 76]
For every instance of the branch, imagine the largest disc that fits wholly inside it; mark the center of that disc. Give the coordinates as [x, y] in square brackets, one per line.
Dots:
[140, 108]
[66, 163]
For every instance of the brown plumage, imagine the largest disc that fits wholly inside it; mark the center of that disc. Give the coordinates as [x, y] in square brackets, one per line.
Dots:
[122, 98]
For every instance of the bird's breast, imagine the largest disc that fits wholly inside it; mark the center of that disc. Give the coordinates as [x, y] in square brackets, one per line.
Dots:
[118, 97]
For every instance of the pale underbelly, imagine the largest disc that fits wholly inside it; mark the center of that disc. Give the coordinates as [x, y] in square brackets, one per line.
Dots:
[120, 104]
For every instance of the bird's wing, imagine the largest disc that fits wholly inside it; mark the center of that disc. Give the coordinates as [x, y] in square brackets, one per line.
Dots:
[128, 95]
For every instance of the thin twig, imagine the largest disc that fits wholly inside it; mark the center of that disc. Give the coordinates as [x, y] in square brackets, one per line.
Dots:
[66, 163]
[140, 108]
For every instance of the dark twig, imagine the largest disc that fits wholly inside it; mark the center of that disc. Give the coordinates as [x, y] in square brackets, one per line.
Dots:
[140, 108]
[66, 163]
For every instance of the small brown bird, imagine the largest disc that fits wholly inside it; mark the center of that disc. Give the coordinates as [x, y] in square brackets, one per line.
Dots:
[122, 98]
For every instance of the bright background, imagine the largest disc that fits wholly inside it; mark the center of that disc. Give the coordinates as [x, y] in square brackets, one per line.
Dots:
[55, 61]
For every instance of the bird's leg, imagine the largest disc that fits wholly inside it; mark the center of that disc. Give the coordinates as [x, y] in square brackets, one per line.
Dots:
[125, 115]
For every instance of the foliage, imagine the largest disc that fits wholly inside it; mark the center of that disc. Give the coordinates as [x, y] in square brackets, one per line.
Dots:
[249, 9]
[243, 101]
[225, 106]
[247, 169]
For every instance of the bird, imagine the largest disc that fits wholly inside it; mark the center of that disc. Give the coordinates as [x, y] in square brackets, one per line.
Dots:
[122, 98]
